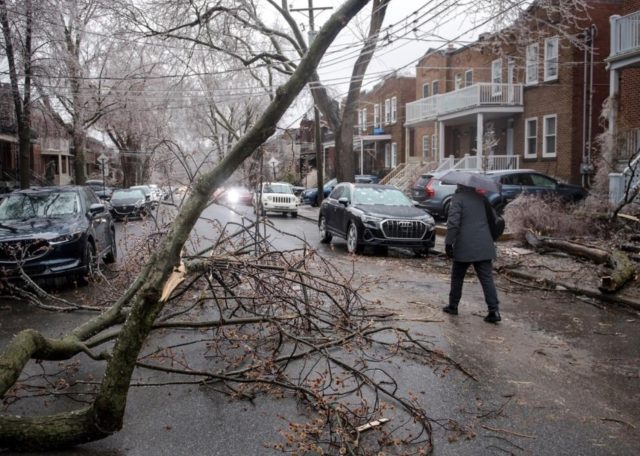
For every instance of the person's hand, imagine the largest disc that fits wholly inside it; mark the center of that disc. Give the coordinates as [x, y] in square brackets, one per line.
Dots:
[448, 249]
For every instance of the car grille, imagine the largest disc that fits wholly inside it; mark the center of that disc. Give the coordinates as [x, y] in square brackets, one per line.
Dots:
[124, 209]
[403, 229]
[283, 199]
[23, 250]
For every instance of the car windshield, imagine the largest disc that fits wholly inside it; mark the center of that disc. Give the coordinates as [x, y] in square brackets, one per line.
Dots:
[378, 195]
[278, 188]
[144, 189]
[41, 204]
[128, 195]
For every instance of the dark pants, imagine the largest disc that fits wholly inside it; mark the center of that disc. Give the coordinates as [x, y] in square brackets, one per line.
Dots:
[484, 273]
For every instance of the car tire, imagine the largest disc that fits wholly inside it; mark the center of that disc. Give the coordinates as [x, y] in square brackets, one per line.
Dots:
[112, 255]
[325, 235]
[445, 209]
[90, 261]
[294, 214]
[262, 211]
[353, 241]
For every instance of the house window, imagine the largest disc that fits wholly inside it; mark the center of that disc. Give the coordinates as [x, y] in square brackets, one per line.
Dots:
[394, 109]
[550, 124]
[530, 137]
[387, 155]
[387, 111]
[496, 77]
[532, 64]
[435, 87]
[425, 146]
[468, 78]
[425, 90]
[394, 154]
[458, 81]
[376, 115]
[551, 59]
[363, 119]
[434, 144]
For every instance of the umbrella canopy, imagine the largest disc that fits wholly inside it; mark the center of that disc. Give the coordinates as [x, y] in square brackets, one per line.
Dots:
[474, 180]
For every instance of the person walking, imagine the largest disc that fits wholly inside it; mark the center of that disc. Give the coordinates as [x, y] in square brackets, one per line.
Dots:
[468, 242]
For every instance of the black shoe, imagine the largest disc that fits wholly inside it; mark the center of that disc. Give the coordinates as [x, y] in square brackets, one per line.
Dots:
[493, 317]
[450, 310]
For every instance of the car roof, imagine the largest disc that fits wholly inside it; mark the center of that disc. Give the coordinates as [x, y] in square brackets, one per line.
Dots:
[52, 188]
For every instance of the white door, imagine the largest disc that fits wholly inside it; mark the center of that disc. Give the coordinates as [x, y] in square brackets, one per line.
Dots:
[510, 137]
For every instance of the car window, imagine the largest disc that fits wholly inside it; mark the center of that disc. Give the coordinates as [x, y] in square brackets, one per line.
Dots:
[378, 195]
[422, 180]
[330, 184]
[510, 179]
[523, 179]
[128, 194]
[277, 188]
[91, 196]
[542, 181]
[337, 192]
[29, 205]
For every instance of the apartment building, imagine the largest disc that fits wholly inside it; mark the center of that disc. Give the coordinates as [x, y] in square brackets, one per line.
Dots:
[380, 141]
[529, 96]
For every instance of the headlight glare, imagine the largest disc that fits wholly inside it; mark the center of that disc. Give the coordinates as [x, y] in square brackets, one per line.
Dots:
[66, 238]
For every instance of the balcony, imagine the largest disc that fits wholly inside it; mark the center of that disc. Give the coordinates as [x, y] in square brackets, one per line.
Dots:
[55, 145]
[625, 36]
[480, 95]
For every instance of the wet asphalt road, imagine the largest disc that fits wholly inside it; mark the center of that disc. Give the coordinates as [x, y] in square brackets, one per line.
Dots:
[557, 377]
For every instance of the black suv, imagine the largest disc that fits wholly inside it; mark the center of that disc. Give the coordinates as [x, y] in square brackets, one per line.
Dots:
[53, 232]
[375, 215]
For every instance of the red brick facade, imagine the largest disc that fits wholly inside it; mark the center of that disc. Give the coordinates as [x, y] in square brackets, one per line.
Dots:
[558, 100]
[391, 96]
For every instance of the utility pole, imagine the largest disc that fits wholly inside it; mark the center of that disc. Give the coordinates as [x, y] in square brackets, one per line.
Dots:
[318, 137]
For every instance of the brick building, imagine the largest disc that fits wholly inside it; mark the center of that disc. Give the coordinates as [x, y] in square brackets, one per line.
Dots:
[380, 141]
[520, 98]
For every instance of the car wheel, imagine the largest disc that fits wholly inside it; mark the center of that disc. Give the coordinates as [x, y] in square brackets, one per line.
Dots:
[445, 209]
[353, 244]
[294, 214]
[90, 261]
[112, 255]
[262, 211]
[325, 236]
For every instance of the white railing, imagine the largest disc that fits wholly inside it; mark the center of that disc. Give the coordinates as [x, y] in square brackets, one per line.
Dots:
[445, 164]
[625, 33]
[55, 144]
[486, 163]
[629, 178]
[476, 95]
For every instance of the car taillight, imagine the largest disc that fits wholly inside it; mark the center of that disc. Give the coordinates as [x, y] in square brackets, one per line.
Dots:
[428, 189]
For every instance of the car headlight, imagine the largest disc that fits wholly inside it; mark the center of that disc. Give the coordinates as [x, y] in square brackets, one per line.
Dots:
[233, 196]
[66, 238]
[371, 221]
[428, 220]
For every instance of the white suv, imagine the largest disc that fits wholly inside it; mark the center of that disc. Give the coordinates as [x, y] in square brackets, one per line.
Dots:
[276, 197]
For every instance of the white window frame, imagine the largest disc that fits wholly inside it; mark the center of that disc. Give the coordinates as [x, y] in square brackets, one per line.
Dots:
[527, 152]
[546, 134]
[376, 115]
[426, 90]
[468, 78]
[458, 81]
[426, 146]
[387, 111]
[434, 145]
[551, 59]
[394, 109]
[363, 121]
[496, 77]
[531, 65]
[394, 155]
[435, 87]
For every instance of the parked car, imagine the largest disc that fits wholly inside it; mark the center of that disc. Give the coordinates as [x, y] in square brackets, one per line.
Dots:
[435, 197]
[129, 202]
[375, 215]
[310, 195]
[52, 232]
[101, 188]
[527, 181]
[152, 196]
[276, 197]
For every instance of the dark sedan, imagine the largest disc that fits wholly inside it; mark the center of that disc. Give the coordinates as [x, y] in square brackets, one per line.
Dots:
[53, 232]
[375, 215]
[128, 202]
[310, 195]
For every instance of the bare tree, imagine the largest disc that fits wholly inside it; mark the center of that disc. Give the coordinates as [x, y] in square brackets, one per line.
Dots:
[18, 35]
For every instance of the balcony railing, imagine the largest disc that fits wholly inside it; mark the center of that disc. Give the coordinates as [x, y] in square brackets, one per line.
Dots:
[625, 34]
[55, 144]
[484, 163]
[474, 96]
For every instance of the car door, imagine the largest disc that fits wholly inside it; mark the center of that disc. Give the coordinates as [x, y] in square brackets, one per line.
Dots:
[100, 222]
[510, 187]
[331, 208]
[342, 209]
[542, 185]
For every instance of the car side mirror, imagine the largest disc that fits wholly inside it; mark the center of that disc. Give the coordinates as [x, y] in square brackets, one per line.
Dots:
[96, 208]
[343, 200]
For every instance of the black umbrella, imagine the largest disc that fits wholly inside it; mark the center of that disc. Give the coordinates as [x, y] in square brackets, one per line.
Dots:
[474, 180]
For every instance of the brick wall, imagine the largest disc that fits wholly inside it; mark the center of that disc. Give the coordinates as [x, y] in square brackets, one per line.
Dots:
[629, 98]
